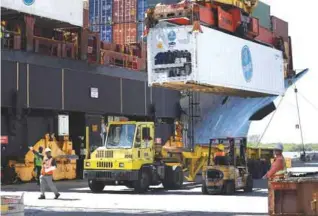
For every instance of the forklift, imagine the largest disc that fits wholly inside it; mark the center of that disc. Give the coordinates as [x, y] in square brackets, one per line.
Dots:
[227, 173]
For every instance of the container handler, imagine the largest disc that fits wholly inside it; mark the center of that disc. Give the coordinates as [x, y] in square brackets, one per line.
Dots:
[133, 158]
[228, 172]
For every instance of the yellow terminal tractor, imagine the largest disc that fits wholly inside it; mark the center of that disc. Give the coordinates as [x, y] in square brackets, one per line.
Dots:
[131, 157]
[227, 171]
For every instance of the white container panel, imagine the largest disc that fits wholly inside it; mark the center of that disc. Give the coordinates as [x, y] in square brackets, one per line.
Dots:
[217, 59]
[69, 11]
[225, 60]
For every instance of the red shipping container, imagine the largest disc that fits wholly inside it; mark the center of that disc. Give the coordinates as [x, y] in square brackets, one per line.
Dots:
[130, 11]
[118, 11]
[124, 11]
[125, 33]
[279, 27]
[265, 36]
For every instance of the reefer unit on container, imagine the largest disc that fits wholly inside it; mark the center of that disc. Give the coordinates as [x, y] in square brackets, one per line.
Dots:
[70, 11]
[212, 61]
[124, 33]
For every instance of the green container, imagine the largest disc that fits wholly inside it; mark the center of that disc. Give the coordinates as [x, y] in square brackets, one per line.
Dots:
[263, 13]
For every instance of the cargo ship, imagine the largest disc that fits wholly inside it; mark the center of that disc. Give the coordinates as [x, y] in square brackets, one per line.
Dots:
[70, 68]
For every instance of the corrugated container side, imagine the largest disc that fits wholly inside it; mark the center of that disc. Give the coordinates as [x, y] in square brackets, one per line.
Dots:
[118, 11]
[280, 27]
[176, 58]
[142, 6]
[106, 33]
[106, 28]
[124, 33]
[94, 18]
[263, 13]
[130, 11]
[140, 31]
[100, 16]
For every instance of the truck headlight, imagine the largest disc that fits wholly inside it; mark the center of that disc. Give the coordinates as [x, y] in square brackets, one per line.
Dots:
[87, 164]
[121, 165]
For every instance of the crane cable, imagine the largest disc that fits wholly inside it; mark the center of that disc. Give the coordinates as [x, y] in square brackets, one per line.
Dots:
[299, 122]
[265, 130]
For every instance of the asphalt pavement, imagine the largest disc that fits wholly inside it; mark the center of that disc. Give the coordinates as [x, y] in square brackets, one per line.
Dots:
[76, 199]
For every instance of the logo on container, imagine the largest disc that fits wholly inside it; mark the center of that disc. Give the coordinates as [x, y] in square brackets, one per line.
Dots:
[247, 64]
[28, 2]
[172, 36]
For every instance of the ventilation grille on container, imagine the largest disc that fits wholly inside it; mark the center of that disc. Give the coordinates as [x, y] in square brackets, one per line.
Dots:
[102, 164]
[104, 154]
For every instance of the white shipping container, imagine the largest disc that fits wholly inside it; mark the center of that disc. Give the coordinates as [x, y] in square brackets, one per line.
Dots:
[69, 11]
[212, 59]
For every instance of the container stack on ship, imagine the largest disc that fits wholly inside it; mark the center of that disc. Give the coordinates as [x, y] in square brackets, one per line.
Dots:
[54, 85]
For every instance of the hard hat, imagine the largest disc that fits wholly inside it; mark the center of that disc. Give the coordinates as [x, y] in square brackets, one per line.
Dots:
[47, 150]
[220, 147]
[279, 146]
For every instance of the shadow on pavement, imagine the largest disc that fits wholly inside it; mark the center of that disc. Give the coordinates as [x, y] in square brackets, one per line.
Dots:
[79, 186]
[30, 212]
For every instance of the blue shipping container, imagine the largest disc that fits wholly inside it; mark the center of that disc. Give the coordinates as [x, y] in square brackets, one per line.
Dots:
[100, 17]
[140, 30]
[142, 6]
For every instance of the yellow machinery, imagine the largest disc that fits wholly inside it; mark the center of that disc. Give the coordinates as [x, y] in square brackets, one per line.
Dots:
[228, 172]
[135, 158]
[62, 151]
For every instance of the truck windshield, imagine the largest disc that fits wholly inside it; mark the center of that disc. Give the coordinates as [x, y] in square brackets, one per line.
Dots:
[120, 136]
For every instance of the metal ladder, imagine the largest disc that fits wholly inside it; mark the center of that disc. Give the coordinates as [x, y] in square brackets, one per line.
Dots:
[194, 117]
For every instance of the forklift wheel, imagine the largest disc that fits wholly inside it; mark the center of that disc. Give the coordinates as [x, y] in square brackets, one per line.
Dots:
[249, 184]
[229, 187]
[204, 189]
[96, 186]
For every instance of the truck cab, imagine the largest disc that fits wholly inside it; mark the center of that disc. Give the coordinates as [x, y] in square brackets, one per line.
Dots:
[128, 158]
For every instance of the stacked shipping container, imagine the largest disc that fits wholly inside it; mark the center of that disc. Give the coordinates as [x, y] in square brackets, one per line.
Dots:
[120, 21]
[100, 18]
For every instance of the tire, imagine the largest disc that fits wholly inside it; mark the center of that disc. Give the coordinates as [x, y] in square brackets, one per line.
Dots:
[173, 178]
[143, 182]
[229, 188]
[129, 185]
[96, 186]
[249, 184]
[204, 189]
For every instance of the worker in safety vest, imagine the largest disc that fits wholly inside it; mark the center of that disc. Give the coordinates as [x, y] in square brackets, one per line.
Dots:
[220, 151]
[278, 167]
[38, 158]
[49, 165]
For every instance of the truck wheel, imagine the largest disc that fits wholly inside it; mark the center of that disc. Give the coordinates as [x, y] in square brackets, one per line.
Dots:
[143, 182]
[204, 189]
[229, 188]
[129, 185]
[249, 184]
[96, 186]
[173, 178]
